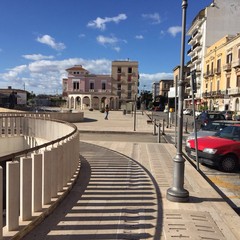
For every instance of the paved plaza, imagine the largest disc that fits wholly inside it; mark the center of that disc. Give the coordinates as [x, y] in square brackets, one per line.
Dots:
[121, 191]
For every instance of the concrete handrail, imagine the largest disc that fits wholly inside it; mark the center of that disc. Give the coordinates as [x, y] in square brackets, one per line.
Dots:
[36, 177]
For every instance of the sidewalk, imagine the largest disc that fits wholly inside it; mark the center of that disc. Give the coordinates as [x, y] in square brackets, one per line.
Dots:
[121, 193]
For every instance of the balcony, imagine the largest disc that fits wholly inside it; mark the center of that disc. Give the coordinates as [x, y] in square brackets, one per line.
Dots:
[197, 46]
[233, 91]
[227, 67]
[194, 59]
[208, 74]
[236, 64]
[217, 71]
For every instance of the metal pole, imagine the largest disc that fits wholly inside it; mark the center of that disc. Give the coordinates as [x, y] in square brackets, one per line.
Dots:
[135, 110]
[194, 121]
[159, 132]
[176, 94]
[177, 193]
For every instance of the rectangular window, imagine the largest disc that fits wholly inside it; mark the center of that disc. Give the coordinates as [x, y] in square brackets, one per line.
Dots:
[129, 70]
[129, 78]
[103, 86]
[208, 69]
[238, 81]
[229, 58]
[129, 96]
[219, 65]
[91, 85]
[119, 70]
[75, 85]
[228, 82]
[218, 84]
[119, 87]
[129, 87]
[211, 67]
[119, 77]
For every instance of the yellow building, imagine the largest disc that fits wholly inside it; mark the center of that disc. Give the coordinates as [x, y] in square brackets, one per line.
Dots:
[125, 82]
[221, 83]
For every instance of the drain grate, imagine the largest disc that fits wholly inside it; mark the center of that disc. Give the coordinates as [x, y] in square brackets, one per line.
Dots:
[191, 225]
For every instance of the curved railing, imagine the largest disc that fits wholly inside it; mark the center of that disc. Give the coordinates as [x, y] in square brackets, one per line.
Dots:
[38, 175]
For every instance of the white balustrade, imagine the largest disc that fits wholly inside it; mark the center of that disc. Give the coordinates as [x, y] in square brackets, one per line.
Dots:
[35, 180]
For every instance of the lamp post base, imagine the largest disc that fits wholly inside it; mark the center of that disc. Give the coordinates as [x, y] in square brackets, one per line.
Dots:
[177, 195]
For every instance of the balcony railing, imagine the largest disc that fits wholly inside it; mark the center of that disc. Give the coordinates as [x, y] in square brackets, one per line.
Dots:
[232, 91]
[217, 71]
[236, 64]
[227, 67]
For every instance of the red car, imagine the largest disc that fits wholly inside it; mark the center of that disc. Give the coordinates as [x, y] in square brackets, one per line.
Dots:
[221, 150]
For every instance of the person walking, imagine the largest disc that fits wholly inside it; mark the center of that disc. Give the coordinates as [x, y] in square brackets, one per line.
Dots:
[106, 112]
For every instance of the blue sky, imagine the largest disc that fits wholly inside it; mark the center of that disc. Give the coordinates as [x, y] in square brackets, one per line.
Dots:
[39, 39]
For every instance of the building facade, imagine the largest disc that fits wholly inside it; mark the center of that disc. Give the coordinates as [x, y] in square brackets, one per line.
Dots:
[210, 25]
[155, 90]
[84, 90]
[125, 82]
[221, 85]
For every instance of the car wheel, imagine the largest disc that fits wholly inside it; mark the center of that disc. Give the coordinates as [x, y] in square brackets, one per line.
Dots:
[228, 163]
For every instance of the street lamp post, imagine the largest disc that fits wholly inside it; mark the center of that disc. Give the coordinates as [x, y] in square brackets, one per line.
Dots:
[177, 193]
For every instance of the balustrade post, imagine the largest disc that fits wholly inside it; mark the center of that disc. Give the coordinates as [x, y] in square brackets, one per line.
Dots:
[60, 182]
[25, 188]
[54, 172]
[12, 195]
[1, 202]
[46, 197]
[37, 182]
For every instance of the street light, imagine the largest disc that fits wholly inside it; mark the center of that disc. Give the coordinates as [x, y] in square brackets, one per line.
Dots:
[177, 193]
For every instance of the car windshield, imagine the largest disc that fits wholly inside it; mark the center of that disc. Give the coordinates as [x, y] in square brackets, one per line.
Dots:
[230, 132]
[213, 126]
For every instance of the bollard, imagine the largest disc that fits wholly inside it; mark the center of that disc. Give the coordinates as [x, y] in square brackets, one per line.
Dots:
[163, 127]
[154, 127]
[186, 131]
[159, 132]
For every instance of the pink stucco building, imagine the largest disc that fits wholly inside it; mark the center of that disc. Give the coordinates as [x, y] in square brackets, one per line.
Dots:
[84, 90]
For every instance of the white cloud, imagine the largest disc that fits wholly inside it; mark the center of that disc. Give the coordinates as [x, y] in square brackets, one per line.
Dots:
[174, 30]
[107, 40]
[36, 57]
[117, 49]
[100, 23]
[139, 37]
[45, 76]
[148, 79]
[82, 35]
[50, 41]
[111, 42]
[14, 72]
[154, 17]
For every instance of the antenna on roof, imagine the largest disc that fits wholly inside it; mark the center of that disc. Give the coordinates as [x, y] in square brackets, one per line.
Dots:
[213, 4]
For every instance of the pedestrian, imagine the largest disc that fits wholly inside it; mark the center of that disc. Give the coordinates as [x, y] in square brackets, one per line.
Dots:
[106, 112]
[204, 118]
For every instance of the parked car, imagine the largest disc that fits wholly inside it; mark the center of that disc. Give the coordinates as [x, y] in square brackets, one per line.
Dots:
[221, 150]
[211, 128]
[205, 117]
[228, 114]
[188, 111]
